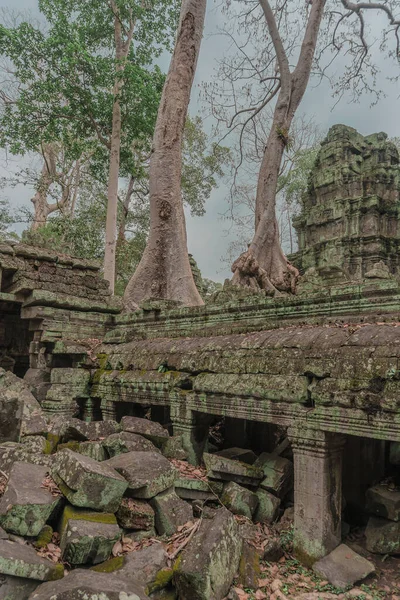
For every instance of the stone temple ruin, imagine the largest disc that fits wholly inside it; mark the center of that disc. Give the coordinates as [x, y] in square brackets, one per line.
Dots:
[292, 401]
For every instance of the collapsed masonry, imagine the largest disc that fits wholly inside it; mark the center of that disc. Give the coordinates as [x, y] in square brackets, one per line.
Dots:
[319, 369]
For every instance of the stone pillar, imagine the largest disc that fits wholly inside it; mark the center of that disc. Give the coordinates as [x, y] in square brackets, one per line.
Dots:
[317, 492]
[193, 427]
[108, 410]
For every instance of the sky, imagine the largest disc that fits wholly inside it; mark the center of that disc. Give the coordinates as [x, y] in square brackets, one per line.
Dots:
[207, 239]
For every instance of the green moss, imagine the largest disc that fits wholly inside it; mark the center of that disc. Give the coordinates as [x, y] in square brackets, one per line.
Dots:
[96, 378]
[44, 537]
[58, 573]
[70, 512]
[177, 564]
[72, 445]
[114, 564]
[162, 580]
[53, 440]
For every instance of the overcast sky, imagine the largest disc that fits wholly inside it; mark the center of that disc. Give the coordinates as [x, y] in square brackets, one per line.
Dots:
[205, 235]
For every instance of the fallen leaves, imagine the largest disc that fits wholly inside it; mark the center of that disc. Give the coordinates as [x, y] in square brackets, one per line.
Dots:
[189, 471]
[50, 485]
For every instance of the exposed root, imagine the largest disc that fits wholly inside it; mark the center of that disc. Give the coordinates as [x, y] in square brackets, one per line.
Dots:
[247, 272]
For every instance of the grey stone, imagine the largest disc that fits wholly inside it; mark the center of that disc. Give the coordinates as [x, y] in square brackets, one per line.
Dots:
[197, 489]
[273, 550]
[239, 500]
[208, 564]
[225, 469]
[135, 514]
[148, 429]
[147, 473]
[249, 566]
[87, 537]
[81, 431]
[36, 444]
[173, 448]
[278, 473]
[246, 456]
[16, 588]
[123, 442]
[343, 567]
[20, 412]
[89, 585]
[383, 502]
[268, 507]
[145, 566]
[170, 512]
[26, 506]
[20, 560]
[87, 483]
[383, 537]
[11, 453]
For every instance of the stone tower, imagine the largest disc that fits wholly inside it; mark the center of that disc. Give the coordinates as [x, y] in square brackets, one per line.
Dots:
[349, 224]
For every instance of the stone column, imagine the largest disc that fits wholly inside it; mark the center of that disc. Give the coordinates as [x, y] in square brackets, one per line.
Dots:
[193, 427]
[108, 410]
[317, 492]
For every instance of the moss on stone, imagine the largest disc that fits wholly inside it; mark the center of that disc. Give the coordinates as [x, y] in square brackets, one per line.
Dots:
[72, 445]
[70, 512]
[109, 566]
[44, 537]
[161, 581]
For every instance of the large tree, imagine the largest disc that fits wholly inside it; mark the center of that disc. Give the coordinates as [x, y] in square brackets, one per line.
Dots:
[87, 82]
[164, 271]
[296, 35]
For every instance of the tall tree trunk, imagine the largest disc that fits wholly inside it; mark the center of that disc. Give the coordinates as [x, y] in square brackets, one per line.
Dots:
[164, 271]
[264, 265]
[115, 151]
[125, 211]
[42, 208]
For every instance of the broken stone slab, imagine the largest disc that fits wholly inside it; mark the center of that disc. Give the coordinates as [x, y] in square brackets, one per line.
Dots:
[147, 473]
[11, 452]
[383, 502]
[225, 469]
[197, 489]
[37, 444]
[383, 536]
[149, 429]
[246, 456]
[89, 585]
[26, 506]
[20, 412]
[170, 512]
[87, 483]
[123, 442]
[87, 537]
[16, 588]
[278, 473]
[249, 566]
[207, 566]
[173, 448]
[135, 514]
[20, 560]
[146, 567]
[343, 567]
[93, 450]
[81, 431]
[268, 507]
[239, 500]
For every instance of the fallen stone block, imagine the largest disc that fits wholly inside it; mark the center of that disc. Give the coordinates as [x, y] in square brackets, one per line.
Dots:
[383, 502]
[87, 537]
[20, 412]
[249, 566]
[207, 566]
[89, 585]
[173, 448]
[197, 489]
[225, 469]
[11, 452]
[135, 514]
[278, 473]
[147, 567]
[123, 442]
[147, 473]
[93, 450]
[20, 560]
[26, 506]
[268, 507]
[149, 429]
[343, 567]
[273, 550]
[170, 512]
[87, 483]
[246, 456]
[16, 588]
[383, 536]
[81, 431]
[37, 444]
[239, 500]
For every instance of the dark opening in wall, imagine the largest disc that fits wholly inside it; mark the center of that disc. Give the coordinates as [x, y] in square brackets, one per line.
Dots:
[6, 277]
[15, 339]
